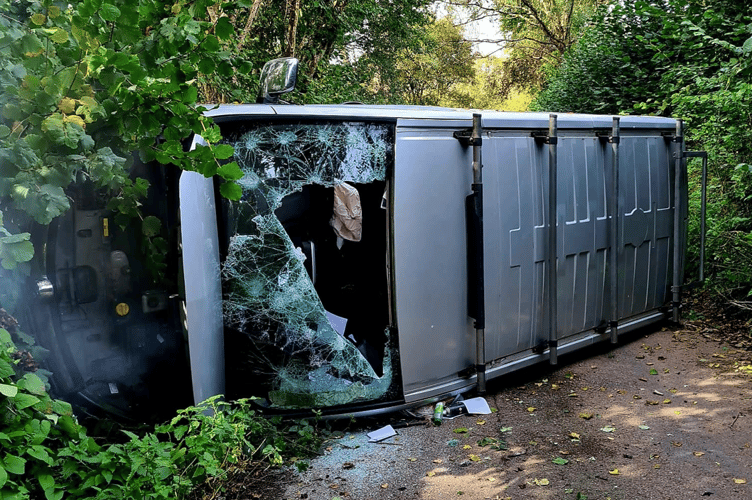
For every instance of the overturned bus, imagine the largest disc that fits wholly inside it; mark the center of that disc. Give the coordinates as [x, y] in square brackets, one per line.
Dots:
[380, 256]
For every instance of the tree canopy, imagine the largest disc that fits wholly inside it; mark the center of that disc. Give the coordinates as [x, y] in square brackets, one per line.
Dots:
[689, 59]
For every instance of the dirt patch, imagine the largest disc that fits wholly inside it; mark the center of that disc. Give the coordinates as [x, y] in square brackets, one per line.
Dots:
[662, 416]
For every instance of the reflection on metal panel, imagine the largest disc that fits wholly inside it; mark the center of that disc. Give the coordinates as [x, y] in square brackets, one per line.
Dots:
[203, 295]
[647, 221]
[515, 173]
[431, 182]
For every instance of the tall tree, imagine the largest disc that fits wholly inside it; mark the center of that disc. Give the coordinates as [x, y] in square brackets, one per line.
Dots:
[532, 34]
[338, 43]
[430, 72]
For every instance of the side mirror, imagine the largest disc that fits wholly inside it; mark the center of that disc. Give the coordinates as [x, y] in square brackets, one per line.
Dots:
[278, 77]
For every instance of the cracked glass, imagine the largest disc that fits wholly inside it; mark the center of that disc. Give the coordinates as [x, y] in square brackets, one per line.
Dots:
[285, 270]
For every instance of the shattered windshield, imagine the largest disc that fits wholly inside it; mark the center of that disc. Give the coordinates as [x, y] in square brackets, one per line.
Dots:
[304, 274]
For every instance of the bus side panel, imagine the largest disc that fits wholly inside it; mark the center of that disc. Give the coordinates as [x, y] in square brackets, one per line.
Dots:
[432, 177]
[514, 179]
[646, 202]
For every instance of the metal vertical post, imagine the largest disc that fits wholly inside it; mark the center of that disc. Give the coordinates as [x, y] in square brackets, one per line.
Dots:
[614, 233]
[553, 341]
[677, 278]
[480, 331]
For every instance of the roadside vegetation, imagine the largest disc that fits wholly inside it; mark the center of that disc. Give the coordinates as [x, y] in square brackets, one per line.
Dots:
[84, 84]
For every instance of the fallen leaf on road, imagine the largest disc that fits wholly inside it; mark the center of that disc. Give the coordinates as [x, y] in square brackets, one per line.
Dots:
[430, 473]
[531, 409]
[740, 481]
[560, 461]
[676, 443]
[554, 387]
[460, 430]
[650, 402]
[586, 416]
[541, 482]
[698, 453]
[644, 427]
[614, 472]
[348, 465]
[608, 428]
[412, 459]
[666, 401]
[481, 422]
[574, 435]
[466, 447]
[438, 461]
[474, 458]
[385, 485]
[653, 371]
[505, 429]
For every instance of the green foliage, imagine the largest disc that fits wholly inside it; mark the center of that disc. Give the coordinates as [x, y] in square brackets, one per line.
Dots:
[688, 59]
[431, 72]
[342, 47]
[488, 89]
[47, 453]
[83, 85]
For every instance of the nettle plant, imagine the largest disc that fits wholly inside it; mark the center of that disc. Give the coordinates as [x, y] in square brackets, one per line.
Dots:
[83, 85]
[46, 452]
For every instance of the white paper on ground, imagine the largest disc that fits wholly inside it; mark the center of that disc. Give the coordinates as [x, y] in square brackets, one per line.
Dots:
[381, 434]
[477, 406]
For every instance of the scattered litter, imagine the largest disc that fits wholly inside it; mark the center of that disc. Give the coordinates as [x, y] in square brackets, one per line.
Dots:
[381, 434]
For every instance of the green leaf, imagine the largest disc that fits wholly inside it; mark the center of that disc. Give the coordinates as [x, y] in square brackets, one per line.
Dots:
[34, 384]
[40, 453]
[22, 400]
[560, 461]
[747, 47]
[223, 151]
[14, 464]
[109, 12]
[231, 191]
[38, 19]
[22, 251]
[3, 477]
[5, 369]
[230, 172]
[8, 391]
[151, 226]
[224, 28]
[58, 35]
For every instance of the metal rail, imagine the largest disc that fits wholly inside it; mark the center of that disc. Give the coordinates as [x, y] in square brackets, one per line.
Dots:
[553, 340]
[614, 139]
[677, 278]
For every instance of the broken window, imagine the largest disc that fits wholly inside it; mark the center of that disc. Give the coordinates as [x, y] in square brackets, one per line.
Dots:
[304, 277]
